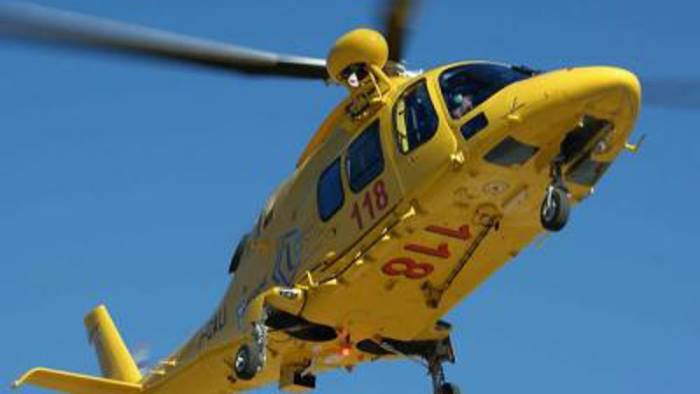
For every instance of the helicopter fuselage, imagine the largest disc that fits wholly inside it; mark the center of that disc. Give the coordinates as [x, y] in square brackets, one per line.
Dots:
[402, 209]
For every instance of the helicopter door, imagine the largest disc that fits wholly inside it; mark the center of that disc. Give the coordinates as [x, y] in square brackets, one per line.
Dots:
[355, 192]
[422, 144]
[372, 186]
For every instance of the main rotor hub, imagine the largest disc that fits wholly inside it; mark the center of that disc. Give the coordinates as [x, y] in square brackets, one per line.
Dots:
[355, 48]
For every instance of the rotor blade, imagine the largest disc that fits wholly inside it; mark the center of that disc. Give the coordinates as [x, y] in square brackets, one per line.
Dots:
[28, 22]
[397, 20]
[672, 93]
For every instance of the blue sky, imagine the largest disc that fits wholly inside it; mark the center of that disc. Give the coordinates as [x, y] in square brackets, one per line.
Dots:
[129, 182]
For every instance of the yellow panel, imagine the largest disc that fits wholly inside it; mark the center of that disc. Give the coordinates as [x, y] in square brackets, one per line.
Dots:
[115, 360]
[74, 383]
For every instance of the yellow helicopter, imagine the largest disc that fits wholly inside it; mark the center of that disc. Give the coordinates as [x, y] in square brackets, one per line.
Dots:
[413, 191]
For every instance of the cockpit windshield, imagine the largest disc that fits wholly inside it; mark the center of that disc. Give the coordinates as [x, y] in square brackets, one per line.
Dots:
[465, 87]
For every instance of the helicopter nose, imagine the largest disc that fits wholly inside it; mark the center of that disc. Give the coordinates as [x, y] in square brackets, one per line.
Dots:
[547, 108]
[605, 91]
[601, 82]
[561, 98]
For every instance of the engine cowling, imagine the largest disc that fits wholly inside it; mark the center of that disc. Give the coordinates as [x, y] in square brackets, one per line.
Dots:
[357, 47]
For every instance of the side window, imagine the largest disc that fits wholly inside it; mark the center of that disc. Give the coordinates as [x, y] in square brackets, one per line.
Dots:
[364, 160]
[415, 120]
[238, 254]
[329, 191]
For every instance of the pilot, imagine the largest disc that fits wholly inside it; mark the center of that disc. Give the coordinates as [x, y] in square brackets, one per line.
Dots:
[461, 104]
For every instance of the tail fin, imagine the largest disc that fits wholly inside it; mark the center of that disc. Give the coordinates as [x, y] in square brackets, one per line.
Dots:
[115, 360]
[121, 376]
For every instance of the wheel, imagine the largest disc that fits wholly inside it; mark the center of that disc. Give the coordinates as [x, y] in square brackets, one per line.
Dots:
[555, 209]
[449, 388]
[246, 364]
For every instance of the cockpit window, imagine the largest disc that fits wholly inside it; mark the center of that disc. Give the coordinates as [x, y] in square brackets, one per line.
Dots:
[465, 87]
[415, 120]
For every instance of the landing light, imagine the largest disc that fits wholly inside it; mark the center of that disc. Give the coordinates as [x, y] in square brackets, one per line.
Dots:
[345, 350]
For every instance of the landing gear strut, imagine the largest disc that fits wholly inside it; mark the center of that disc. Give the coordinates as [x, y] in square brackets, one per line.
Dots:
[440, 385]
[554, 213]
[432, 353]
[442, 353]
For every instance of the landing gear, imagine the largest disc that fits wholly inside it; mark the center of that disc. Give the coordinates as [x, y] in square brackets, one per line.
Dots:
[246, 364]
[554, 213]
[432, 353]
[441, 353]
[440, 385]
[250, 358]
[449, 388]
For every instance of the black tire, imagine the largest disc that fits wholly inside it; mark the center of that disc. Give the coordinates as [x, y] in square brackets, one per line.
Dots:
[555, 216]
[449, 388]
[246, 363]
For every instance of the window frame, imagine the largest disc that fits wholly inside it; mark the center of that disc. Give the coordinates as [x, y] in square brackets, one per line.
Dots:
[335, 163]
[394, 125]
[346, 155]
